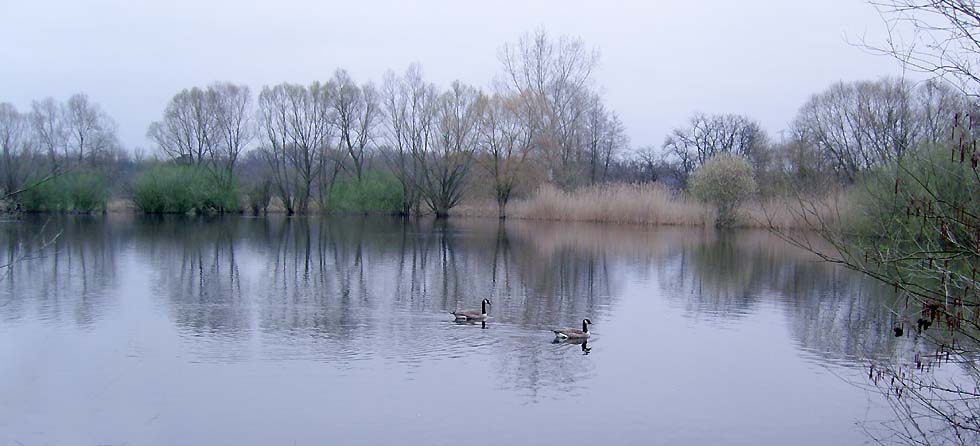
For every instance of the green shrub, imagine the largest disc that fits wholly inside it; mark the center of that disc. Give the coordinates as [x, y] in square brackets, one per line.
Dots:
[71, 192]
[183, 189]
[893, 198]
[375, 192]
[724, 181]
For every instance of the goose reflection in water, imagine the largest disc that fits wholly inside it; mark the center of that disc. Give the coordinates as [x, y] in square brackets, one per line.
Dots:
[482, 324]
[583, 342]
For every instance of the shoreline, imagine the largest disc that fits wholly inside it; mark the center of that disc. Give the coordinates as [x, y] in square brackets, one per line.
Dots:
[751, 216]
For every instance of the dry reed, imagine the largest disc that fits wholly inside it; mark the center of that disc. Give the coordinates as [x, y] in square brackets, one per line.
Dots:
[653, 204]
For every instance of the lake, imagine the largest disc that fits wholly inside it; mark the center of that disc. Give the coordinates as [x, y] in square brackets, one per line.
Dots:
[254, 331]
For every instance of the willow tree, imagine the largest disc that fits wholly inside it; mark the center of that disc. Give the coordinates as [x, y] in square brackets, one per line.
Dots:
[187, 131]
[357, 112]
[410, 105]
[298, 124]
[553, 79]
[444, 165]
[209, 127]
[505, 141]
[235, 127]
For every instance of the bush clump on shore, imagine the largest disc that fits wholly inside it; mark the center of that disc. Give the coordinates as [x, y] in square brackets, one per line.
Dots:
[375, 192]
[81, 192]
[184, 189]
[894, 197]
[725, 182]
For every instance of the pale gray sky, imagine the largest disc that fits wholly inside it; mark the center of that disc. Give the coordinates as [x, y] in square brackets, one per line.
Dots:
[661, 60]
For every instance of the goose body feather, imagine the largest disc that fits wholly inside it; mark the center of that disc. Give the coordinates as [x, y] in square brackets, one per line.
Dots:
[469, 315]
[473, 315]
[571, 333]
[574, 333]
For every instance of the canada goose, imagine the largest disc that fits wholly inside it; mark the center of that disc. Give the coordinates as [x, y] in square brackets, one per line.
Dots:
[473, 315]
[574, 333]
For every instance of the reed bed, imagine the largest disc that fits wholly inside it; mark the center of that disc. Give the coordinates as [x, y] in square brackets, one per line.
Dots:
[653, 204]
[649, 204]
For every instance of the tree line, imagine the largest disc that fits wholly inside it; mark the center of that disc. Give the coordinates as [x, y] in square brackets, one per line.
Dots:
[541, 121]
[544, 110]
[848, 129]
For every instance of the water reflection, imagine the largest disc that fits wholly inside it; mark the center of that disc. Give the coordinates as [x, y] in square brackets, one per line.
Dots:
[65, 280]
[482, 324]
[831, 313]
[334, 283]
[583, 343]
[359, 308]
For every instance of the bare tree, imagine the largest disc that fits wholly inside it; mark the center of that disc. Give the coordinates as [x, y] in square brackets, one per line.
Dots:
[48, 126]
[936, 37]
[14, 137]
[139, 154]
[800, 165]
[298, 123]
[597, 123]
[234, 127]
[410, 108]
[90, 131]
[274, 123]
[709, 135]
[188, 131]
[935, 102]
[614, 141]
[649, 158]
[358, 113]
[860, 125]
[445, 164]
[506, 135]
[553, 78]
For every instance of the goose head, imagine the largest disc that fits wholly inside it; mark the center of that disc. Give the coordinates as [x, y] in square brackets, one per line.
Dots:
[483, 305]
[585, 324]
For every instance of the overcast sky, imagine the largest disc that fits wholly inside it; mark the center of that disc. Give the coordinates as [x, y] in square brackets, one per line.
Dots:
[661, 61]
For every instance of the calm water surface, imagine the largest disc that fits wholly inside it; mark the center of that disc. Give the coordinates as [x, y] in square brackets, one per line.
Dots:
[148, 331]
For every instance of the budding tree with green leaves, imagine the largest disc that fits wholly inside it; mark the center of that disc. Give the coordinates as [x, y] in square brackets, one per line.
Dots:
[724, 181]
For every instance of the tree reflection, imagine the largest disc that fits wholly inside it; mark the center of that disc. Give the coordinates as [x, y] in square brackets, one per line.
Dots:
[196, 266]
[353, 288]
[67, 280]
[831, 312]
